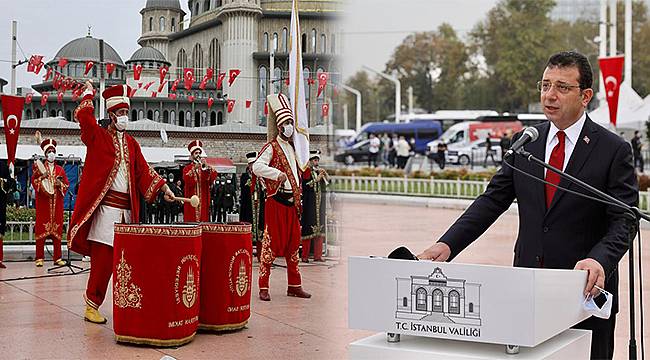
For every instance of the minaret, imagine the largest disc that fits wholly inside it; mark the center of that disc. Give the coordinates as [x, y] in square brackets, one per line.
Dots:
[160, 18]
[240, 27]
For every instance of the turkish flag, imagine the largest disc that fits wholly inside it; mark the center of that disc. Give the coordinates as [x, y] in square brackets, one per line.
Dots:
[188, 78]
[146, 87]
[286, 81]
[233, 75]
[220, 78]
[67, 83]
[139, 85]
[175, 84]
[163, 73]
[154, 94]
[137, 70]
[248, 104]
[209, 73]
[110, 68]
[48, 74]
[210, 102]
[161, 86]
[89, 65]
[35, 64]
[28, 98]
[612, 69]
[172, 96]
[56, 82]
[63, 62]
[75, 95]
[322, 81]
[203, 83]
[59, 97]
[325, 109]
[12, 113]
[231, 105]
[44, 97]
[191, 98]
[132, 92]
[311, 81]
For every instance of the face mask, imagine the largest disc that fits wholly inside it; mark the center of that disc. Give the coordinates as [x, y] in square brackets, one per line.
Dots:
[287, 130]
[592, 308]
[51, 156]
[121, 122]
[171, 178]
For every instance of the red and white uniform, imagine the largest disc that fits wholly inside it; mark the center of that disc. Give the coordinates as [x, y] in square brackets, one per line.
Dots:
[197, 182]
[281, 210]
[49, 208]
[114, 177]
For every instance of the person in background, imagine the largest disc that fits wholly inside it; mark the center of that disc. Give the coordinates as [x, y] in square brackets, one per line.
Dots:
[373, 150]
[403, 152]
[637, 145]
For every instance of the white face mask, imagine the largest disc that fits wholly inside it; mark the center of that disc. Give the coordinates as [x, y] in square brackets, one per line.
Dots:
[51, 156]
[121, 122]
[592, 308]
[287, 130]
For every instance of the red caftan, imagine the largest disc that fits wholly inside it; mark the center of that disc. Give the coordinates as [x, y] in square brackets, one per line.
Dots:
[49, 208]
[198, 182]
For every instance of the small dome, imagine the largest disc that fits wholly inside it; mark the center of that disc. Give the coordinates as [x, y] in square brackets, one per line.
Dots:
[87, 48]
[167, 4]
[147, 54]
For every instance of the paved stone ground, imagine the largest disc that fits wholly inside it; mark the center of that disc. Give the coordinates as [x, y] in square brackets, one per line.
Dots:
[376, 229]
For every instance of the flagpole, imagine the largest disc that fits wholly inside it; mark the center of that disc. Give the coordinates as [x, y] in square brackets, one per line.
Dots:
[14, 31]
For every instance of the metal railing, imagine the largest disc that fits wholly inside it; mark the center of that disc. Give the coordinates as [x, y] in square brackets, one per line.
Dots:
[23, 231]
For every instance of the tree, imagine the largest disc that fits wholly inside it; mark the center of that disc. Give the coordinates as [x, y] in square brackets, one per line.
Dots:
[367, 86]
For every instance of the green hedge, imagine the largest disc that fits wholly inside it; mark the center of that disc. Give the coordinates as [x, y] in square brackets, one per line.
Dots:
[25, 214]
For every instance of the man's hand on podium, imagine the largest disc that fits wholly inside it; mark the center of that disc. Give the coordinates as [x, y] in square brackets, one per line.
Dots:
[595, 275]
[437, 252]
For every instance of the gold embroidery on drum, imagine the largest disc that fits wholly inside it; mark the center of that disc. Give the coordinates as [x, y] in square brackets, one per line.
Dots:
[190, 275]
[126, 295]
[239, 283]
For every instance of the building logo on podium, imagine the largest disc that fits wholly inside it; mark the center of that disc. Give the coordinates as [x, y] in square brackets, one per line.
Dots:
[439, 299]
[186, 283]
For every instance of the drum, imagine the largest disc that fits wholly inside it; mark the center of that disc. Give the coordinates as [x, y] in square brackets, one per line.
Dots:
[156, 282]
[226, 275]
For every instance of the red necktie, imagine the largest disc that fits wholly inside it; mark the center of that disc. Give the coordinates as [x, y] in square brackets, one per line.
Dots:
[556, 161]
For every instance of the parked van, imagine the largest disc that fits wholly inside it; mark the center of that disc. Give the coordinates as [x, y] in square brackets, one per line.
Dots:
[465, 133]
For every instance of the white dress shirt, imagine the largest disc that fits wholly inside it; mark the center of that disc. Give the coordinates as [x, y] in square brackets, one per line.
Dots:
[570, 140]
[261, 166]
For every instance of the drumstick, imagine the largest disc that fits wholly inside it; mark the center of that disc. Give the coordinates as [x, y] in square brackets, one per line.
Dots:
[194, 200]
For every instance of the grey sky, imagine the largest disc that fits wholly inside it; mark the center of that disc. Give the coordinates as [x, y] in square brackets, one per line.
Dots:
[373, 28]
[44, 26]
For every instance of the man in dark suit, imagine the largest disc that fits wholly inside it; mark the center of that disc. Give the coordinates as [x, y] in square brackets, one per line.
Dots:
[557, 229]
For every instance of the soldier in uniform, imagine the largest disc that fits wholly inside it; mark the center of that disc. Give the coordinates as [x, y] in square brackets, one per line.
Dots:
[314, 182]
[251, 202]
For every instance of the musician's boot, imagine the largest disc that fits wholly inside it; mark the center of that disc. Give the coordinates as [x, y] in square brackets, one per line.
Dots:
[39, 262]
[264, 295]
[60, 262]
[92, 315]
[297, 291]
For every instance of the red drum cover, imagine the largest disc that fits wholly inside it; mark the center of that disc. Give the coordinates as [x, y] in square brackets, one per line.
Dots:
[226, 273]
[156, 282]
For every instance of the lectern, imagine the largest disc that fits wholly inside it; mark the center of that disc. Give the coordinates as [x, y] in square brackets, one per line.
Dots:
[471, 309]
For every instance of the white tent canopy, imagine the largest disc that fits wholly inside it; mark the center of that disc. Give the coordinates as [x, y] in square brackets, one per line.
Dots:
[633, 111]
[153, 155]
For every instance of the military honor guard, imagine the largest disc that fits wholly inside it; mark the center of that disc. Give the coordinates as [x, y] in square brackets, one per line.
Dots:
[278, 167]
[50, 186]
[251, 202]
[115, 177]
[198, 177]
[314, 183]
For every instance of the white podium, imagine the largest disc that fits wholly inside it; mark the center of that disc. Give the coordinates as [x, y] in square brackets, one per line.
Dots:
[517, 307]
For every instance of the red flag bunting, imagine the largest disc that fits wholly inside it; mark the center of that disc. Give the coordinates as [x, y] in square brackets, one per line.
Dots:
[322, 82]
[154, 94]
[28, 98]
[188, 78]
[132, 92]
[325, 109]
[310, 81]
[210, 102]
[48, 74]
[12, 113]
[63, 62]
[209, 73]
[161, 86]
[286, 81]
[231, 105]
[35, 64]
[146, 87]
[175, 84]
[44, 97]
[233, 75]
[137, 70]
[163, 73]
[203, 83]
[59, 97]
[612, 69]
[220, 78]
[89, 65]
[248, 104]
[110, 68]
[191, 98]
[172, 96]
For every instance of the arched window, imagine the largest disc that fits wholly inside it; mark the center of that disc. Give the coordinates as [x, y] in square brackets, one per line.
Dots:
[218, 3]
[265, 42]
[196, 8]
[313, 40]
[59, 113]
[140, 114]
[134, 115]
[197, 119]
[165, 117]
[262, 93]
[285, 40]
[181, 118]
[277, 76]
[275, 42]
[161, 24]
[323, 47]
[44, 113]
[197, 61]
[68, 115]
[421, 299]
[213, 55]
[333, 43]
[181, 62]
[220, 118]
[188, 119]
[52, 113]
[204, 118]
[213, 118]
[454, 302]
[156, 116]
[78, 70]
[173, 29]
[150, 115]
[172, 117]
[206, 5]
[437, 300]
[304, 43]
[306, 75]
[151, 24]
[28, 114]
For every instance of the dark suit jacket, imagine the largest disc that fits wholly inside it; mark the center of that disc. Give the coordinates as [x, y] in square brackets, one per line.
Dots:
[573, 228]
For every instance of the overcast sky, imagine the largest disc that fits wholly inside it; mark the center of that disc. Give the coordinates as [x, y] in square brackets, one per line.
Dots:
[44, 26]
[373, 28]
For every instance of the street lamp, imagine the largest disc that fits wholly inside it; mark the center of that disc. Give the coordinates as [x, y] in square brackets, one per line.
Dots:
[357, 93]
[398, 99]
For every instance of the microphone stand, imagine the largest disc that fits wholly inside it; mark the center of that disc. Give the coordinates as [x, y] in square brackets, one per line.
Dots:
[633, 211]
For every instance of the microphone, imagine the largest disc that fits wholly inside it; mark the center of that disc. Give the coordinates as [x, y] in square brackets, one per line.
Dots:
[530, 134]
